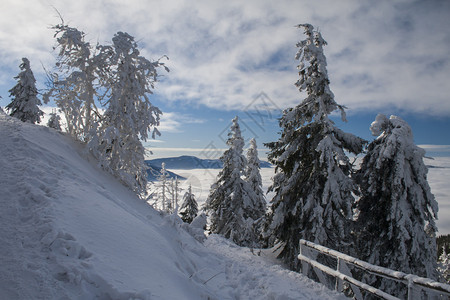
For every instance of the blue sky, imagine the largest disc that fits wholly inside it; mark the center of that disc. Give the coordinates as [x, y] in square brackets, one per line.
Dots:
[232, 58]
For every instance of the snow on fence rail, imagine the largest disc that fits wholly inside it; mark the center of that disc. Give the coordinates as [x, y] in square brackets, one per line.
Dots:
[343, 274]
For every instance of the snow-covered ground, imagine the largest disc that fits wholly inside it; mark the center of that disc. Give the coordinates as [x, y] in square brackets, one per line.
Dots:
[438, 178]
[71, 231]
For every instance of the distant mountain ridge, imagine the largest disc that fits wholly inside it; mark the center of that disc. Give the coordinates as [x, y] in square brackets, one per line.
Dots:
[192, 162]
[154, 171]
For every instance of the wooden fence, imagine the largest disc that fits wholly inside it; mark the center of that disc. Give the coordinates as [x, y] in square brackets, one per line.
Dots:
[416, 285]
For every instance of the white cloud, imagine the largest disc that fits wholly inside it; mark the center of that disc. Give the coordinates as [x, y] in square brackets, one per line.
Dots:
[170, 121]
[436, 148]
[173, 122]
[197, 150]
[380, 54]
[153, 141]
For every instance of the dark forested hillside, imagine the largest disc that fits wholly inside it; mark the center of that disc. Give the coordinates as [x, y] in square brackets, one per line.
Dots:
[443, 241]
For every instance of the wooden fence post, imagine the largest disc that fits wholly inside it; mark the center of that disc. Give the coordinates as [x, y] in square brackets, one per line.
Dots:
[305, 265]
[339, 283]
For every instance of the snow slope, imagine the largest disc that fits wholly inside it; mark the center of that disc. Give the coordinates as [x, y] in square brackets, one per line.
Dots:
[71, 231]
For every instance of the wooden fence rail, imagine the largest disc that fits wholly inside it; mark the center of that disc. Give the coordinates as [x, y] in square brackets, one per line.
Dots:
[342, 274]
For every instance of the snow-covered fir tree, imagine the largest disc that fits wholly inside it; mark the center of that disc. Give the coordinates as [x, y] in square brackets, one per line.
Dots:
[25, 103]
[444, 267]
[129, 114]
[121, 80]
[174, 192]
[54, 121]
[397, 210]
[76, 84]
[162, 187]
[189, 208]
[313, 189]
[253, 177]
[230, 201]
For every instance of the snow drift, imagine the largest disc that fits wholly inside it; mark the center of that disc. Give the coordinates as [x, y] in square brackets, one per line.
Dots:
[71, 231]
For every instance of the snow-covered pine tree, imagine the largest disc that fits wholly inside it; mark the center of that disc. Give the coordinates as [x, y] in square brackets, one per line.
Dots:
[397, 210]
[54, 121]
[189, 208]
[75, 85]
[444, 267]
[170, 198]
[230, 203]
[253, 177]
[163, 188]
[25, 103]
[312, 183]
[174, 189]
[129, 114]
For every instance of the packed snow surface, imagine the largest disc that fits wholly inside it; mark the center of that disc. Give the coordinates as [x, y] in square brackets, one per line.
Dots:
[71, 231]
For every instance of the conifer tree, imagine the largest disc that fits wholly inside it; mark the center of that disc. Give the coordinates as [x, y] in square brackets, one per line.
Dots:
[163, 187]
[230, 205]
[174, 189]
[253, 178]
[54, 121]
[444, 267]
[312, 183]
[25, 103]
[189, 208]
[397, 210]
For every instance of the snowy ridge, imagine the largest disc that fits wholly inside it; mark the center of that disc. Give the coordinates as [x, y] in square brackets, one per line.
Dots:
[70, 231]
[153, 172]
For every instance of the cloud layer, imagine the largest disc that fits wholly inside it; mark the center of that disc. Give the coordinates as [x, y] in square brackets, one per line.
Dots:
[223, 54]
